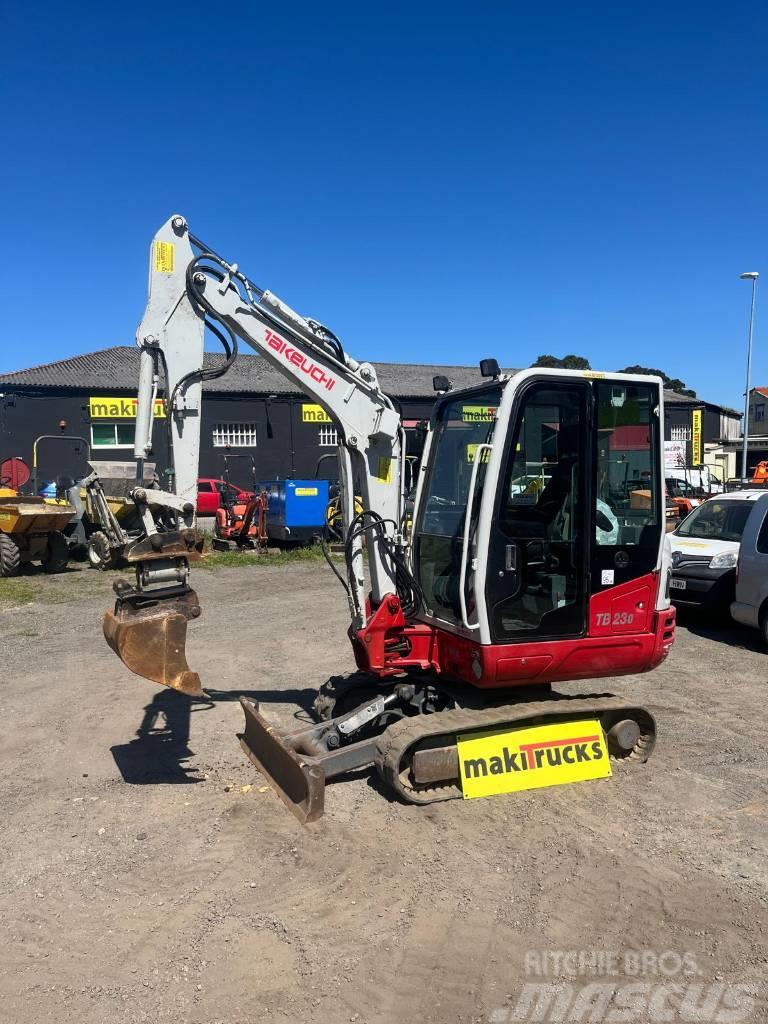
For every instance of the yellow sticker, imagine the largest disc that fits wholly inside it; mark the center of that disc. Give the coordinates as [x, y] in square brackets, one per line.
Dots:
[696, 438]
[471, 449]
[384, 470]
[314, 414]
[594, 375]
[120, 408]
[164, 252]
[479, 413]
[509, 760]
[306, 492]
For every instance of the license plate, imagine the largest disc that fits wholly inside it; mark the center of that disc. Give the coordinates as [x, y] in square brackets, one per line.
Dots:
[509, 760]
[677, 584]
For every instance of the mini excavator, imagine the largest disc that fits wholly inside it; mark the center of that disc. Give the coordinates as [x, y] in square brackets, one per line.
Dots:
[535, 552]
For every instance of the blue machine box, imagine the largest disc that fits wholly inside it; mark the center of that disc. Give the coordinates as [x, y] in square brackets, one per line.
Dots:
[296, 509]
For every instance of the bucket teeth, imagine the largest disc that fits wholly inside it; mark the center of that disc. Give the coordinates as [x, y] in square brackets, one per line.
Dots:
[149, 636]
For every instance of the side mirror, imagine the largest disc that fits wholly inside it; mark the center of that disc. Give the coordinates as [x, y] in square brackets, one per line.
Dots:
[441, 383]
[489, 368]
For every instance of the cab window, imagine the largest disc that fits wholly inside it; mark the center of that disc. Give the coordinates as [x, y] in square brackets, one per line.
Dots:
[628, 505]
[462, 424]
[762, 538]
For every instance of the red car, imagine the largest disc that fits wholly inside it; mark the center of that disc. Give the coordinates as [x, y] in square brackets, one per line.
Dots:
[211, 494]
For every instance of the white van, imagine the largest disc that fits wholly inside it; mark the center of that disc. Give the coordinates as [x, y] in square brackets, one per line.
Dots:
[750, 605]
[705, 550]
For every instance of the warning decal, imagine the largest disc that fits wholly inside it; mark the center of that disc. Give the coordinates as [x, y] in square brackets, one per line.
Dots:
[164, 252]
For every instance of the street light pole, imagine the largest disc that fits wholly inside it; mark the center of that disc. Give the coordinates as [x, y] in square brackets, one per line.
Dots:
[750, 276]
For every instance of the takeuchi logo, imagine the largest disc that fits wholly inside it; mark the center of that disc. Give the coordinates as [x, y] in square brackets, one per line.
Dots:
[299, 360]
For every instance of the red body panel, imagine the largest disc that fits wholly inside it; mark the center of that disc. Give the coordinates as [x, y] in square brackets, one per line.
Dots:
[626, 635]
[209, 501]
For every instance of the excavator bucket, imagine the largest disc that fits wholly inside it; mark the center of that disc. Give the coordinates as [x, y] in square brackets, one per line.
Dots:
[298, 779]
[149, 636]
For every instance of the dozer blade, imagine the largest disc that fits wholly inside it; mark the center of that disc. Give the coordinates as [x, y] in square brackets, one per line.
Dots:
[149, 636]
[300, 783]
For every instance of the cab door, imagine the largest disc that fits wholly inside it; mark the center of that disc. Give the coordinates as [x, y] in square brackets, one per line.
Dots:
[576, 533]
[628, 501]
[537, 573]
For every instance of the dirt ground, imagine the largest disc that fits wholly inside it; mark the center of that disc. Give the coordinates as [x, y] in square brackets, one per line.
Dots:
[141, 883]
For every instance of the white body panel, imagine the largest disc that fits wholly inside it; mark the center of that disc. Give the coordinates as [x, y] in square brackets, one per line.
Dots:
[752, 581]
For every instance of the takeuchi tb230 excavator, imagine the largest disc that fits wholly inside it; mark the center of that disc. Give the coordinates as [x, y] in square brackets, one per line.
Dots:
[536, 552]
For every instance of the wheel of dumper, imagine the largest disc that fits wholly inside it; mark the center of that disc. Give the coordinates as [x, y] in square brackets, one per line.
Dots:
[100, 554]
[10, 556]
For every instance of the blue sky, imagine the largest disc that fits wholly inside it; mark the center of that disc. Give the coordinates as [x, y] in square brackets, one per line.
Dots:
[438, 182]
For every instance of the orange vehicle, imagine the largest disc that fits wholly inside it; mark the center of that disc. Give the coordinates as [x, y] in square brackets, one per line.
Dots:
[241, 519]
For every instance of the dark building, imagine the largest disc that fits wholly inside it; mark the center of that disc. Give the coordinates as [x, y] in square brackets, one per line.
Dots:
[252, 410]
[700, 433]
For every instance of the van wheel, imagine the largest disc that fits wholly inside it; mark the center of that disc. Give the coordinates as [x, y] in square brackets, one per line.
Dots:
[10, 556]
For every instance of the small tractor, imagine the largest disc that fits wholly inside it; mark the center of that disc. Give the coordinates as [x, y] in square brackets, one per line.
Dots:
[241, 524]
[105, 521]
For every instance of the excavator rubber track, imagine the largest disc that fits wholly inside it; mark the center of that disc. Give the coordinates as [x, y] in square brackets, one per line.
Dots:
[397, 745]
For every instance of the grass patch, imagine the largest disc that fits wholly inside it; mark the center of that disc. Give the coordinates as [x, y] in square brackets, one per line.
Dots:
[235, 559]
[80, 581]
[34, 586]
[16, 591]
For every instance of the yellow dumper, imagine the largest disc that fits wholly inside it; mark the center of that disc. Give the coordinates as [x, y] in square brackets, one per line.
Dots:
[30, 531]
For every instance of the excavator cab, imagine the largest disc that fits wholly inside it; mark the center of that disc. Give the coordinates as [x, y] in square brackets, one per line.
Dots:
[542, 495]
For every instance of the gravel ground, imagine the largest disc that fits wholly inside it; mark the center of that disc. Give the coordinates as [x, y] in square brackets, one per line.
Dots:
[149, 874]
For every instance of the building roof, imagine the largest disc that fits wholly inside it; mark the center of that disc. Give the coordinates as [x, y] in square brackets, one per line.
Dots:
[761, 391]
[117, 369]
[675, 398]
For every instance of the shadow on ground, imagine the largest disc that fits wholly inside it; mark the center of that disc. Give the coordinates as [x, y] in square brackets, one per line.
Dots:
[720, 628]
[160, 750]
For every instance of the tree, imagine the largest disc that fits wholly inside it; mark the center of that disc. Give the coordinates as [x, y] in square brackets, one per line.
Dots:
[569, 362]
[673, 383]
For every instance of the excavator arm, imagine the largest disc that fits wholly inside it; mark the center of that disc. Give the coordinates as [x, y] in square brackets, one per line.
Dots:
[191, 288]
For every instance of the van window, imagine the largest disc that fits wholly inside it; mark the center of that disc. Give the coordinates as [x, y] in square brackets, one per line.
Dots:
[762, 537]
[717, 520]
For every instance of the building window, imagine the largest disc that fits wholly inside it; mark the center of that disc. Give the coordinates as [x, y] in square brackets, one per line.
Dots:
[680, 433]
[112, 435]
[759, 413]
[327, 436]
[234, 435]
[730, 427]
